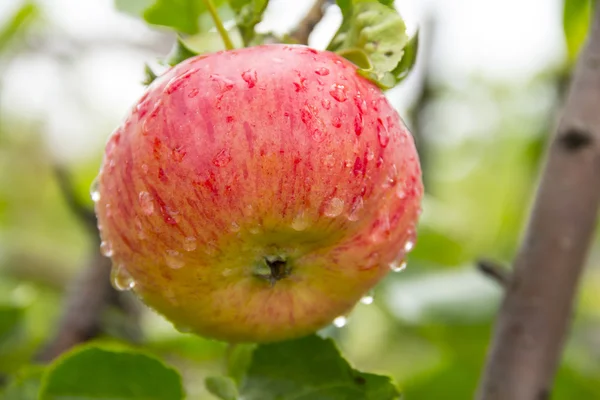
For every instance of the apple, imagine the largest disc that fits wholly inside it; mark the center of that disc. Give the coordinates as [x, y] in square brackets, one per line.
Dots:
[257, 194]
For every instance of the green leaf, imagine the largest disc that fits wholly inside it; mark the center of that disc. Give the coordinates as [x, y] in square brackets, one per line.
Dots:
[374, 30]
[180, 15]
[95, 373]
[248, 13]
[222, 386]
[576, 23]
[10, 323]
[239, 357]
[180, 52]
[19, 22]
[25, 385]
[310, 368]
[149, 75]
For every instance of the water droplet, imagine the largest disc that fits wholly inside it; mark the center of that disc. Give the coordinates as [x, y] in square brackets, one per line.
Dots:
[106, 249]
[326, 104]
[173, 259]
[120, 278]
[234, 227]
[360, 103]
[300, 223]
[400, 193]
[211, 248]
[222, 158]
[336, 122]
[322, 71]
[333, 207]
[340, 321]
[193, 93]
[255, 230]
[139, 228]
[338, 92]
[398, 266]
[357, 206]
[250, 77]
[329, 160]
[224, 83]
[382, 133]
[358, 124]
[368, 299]
[94, 191]
[146, 203]
[189, 243]
[317, 135]
[370, 154]
[409, 245]
[145, 168]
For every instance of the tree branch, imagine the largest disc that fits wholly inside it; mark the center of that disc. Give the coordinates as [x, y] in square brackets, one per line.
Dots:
[308, 23]
[535, 314]
[494, 271]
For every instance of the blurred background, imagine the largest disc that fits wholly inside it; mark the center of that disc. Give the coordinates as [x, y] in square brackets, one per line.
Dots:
[484, 95]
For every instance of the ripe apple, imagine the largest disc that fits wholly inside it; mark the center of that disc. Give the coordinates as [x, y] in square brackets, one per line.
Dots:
[257, 194]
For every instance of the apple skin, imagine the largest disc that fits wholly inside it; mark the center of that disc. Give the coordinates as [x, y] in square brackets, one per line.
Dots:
[236, 161]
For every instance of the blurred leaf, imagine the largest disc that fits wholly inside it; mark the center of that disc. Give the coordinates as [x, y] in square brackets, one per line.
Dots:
[576, 22]
[238, 360]
[222, 386]
[25, 385]
[179, 53]
[374, 30]
[437, 248]
[310, 368]
[180, 15]
[92, 373]
[248, 13]
[19, 22]
[10, 322]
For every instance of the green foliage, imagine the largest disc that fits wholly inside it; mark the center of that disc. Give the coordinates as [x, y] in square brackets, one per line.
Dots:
[222, 386]
[373, 36]
[19, 22]
[310, 368]
[180, 52]
[248, 13]
[24, 385]
[181, 15]
[576, 23]
[11, 319]
[91, 372]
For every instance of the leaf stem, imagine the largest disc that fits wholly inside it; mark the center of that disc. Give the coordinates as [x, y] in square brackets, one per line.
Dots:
[219, 24]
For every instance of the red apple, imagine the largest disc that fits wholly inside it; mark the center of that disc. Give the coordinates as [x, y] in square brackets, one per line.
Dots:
[257, 194]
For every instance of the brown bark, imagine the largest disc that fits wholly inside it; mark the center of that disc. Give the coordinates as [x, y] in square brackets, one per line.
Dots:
[538, 304]
[308, 23]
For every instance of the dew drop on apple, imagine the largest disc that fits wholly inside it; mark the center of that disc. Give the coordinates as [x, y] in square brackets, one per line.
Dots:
[338, 92]
[382, 133]
[249, 77]
[106, 248]
[94, 192]
[333, 207]
[139, 228]
[326, 104]
[356, 208]
[255, 230]
[234, 227]
[409, 245]
[398, 265]
[340, 321]
[322, 71]
[174, 259]
[370, 154]
[300, 223]
[146, 202]
[189, 243]
[400, 193]
[145, 168]
[120, 278]
[367, 299]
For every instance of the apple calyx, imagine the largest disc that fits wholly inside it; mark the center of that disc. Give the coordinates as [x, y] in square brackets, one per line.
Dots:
[273, 269]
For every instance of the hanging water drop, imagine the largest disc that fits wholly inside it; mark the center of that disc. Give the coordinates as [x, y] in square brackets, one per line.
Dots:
[120, 278]
[398, 266]
[106, 249]
[300, 223]
[146, 202]
[409, 245]
[340, 321]
[94, 191]
[367, 299]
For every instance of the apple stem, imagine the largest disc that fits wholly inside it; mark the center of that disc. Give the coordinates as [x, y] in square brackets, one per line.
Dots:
[219, 24]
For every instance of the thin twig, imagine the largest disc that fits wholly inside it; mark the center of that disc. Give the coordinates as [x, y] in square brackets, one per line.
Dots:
[83, 212]
[308, 23]
[535, 314]
[494, 271]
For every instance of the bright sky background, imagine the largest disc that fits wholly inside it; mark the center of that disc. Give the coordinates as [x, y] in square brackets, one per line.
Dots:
[80, 101]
